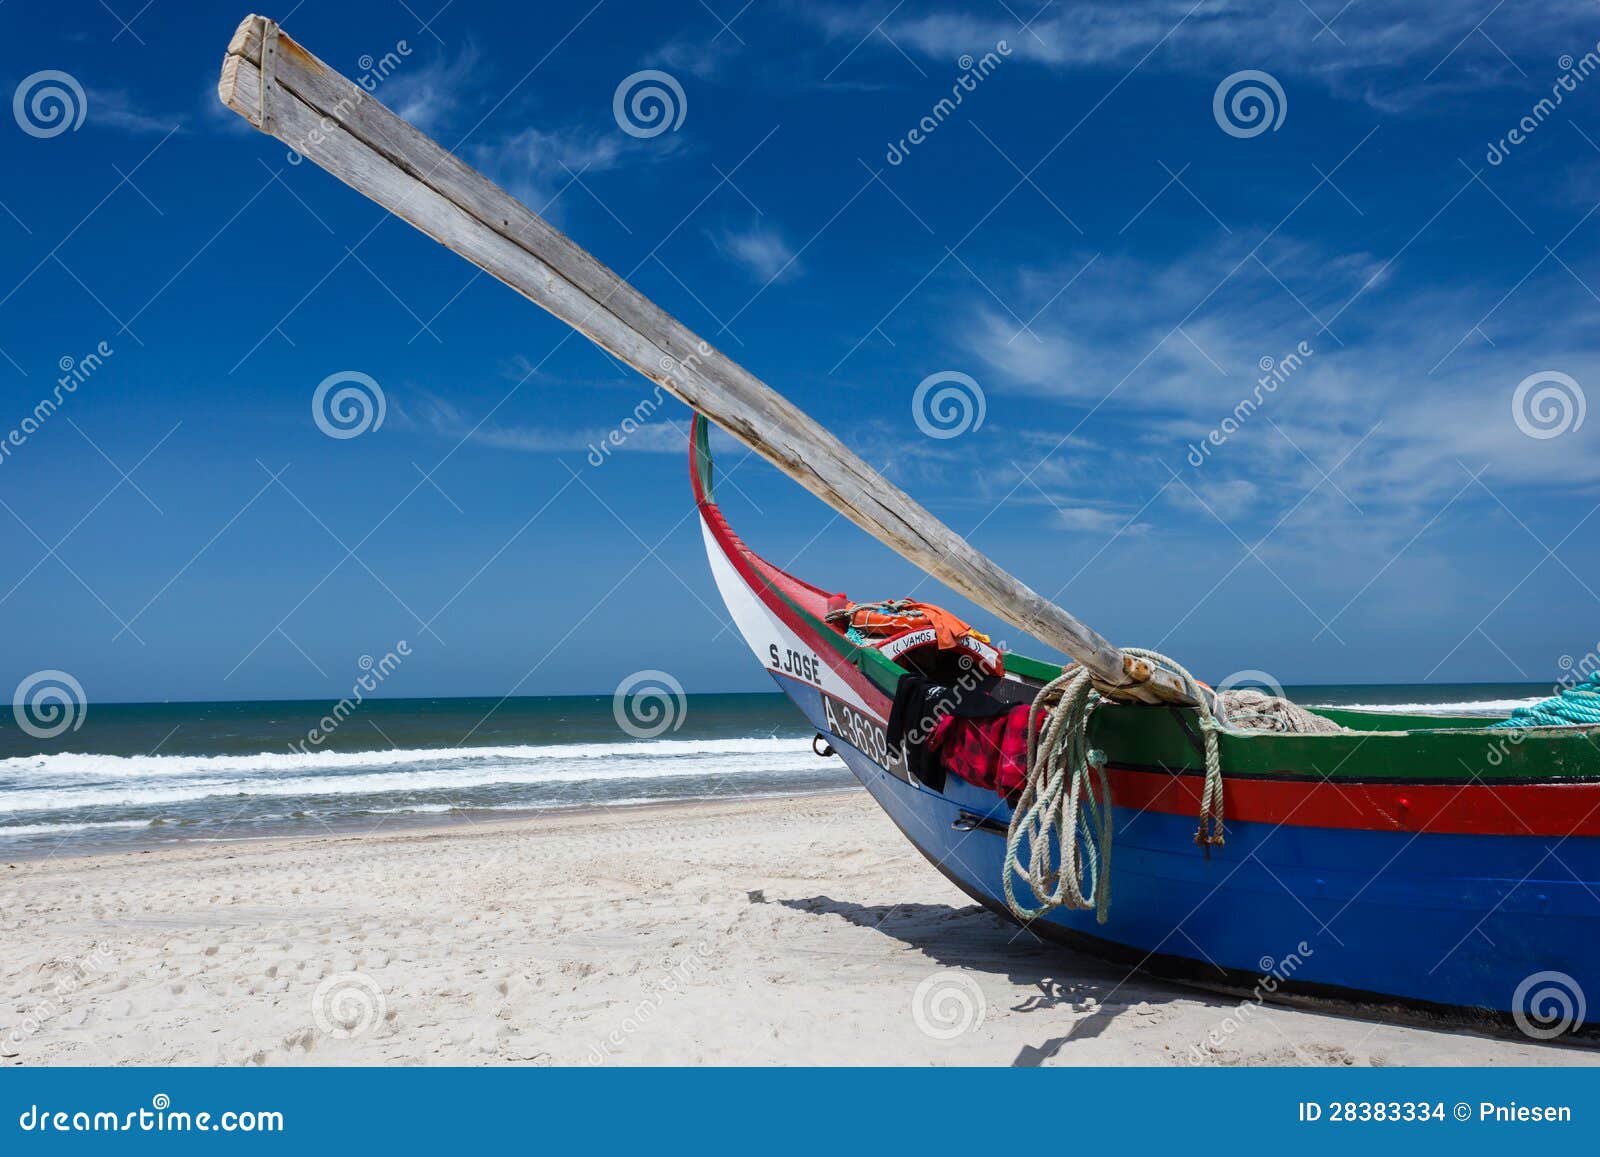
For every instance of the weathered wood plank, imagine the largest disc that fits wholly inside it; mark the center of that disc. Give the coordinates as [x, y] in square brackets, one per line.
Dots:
[345, 130]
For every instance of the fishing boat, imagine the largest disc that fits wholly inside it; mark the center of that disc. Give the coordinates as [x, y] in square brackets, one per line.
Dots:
[1419, 860]
[1451, 864]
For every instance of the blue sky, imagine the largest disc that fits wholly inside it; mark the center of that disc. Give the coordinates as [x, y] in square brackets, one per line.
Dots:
[1082, 236]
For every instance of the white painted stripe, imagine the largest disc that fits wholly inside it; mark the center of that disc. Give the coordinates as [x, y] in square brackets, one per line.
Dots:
[763, 630]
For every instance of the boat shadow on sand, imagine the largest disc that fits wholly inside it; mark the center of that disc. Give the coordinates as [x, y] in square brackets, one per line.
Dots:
[973, 939]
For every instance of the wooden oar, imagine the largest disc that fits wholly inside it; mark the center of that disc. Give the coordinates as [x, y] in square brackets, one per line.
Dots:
[283, 90]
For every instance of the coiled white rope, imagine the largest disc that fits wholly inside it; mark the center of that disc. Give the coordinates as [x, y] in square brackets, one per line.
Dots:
[1059, 842]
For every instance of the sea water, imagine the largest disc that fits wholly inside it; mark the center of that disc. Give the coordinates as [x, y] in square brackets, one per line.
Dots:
[135, 773]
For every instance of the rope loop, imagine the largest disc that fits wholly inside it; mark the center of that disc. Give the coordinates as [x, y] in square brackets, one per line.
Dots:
[1059, 841]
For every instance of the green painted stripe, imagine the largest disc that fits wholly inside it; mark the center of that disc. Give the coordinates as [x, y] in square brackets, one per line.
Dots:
[1031, 668]
[1152, 736]
[1390, 721]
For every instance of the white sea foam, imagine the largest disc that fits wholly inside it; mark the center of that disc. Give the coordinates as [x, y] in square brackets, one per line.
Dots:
[61, 829]
[1467, 707]
[279, 762]
[65, 781]
[619, 801]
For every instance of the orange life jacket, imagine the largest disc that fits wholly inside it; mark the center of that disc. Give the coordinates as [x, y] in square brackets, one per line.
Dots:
[897, 625]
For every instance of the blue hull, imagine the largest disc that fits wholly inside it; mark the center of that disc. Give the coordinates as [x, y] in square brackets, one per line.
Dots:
[1433, 920]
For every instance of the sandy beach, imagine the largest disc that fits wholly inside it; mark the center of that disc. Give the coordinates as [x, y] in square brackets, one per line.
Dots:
[777, 931]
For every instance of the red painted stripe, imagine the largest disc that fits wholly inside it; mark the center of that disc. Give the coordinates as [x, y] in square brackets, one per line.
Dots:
[1537, 809]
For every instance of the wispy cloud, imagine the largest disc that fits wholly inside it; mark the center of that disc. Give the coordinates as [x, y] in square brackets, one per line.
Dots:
[432, 94]
[117, 109]
[1388, 56]
[537, 165]
[1365, 441]
[706, 59]
[761, 250]
[648, 435]
[1095, 520]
